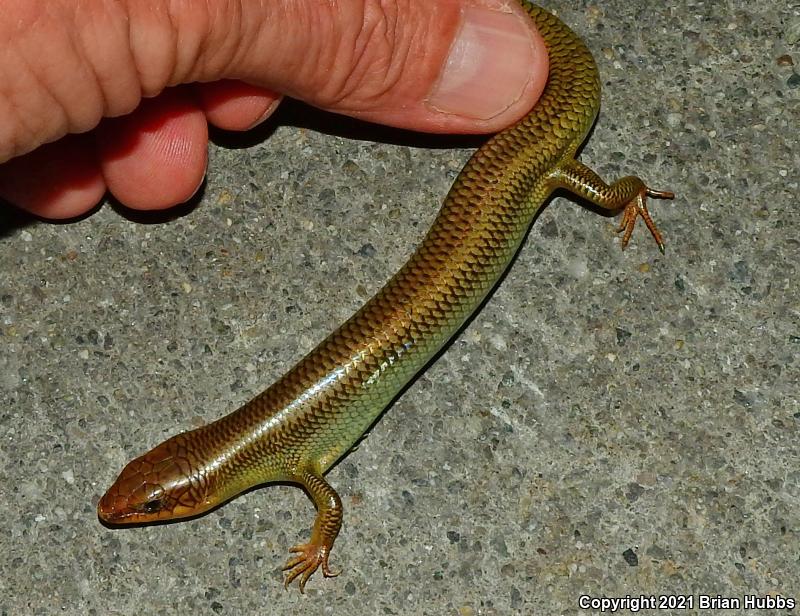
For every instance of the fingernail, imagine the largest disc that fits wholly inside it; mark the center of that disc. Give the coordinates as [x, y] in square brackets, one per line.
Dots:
[489, 66]
[267, 113]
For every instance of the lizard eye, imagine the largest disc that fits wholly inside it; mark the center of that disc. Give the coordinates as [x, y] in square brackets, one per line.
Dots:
[152, 506]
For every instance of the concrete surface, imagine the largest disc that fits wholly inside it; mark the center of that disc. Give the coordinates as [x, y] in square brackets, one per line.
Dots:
[611, 423]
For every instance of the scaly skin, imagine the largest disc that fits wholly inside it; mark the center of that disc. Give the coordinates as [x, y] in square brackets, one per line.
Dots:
[299, 427]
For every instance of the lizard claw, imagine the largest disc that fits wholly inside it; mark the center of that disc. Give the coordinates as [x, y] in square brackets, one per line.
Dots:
[310, 557]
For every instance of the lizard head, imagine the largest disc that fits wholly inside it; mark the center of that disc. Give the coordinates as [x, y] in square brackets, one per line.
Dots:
[163, 484]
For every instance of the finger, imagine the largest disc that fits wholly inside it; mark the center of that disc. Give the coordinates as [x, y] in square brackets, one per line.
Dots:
[155, 157]
[234, 105]
[57, 180]
[64, 65]
[452, 65]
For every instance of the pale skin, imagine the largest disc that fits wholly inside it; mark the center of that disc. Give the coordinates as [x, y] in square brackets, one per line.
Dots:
[115, 96]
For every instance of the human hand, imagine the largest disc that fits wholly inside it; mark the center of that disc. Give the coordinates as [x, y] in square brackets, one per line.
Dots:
[88, 103]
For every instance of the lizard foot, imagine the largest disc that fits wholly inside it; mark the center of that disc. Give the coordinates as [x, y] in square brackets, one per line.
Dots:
[638, 207]
[310, 557]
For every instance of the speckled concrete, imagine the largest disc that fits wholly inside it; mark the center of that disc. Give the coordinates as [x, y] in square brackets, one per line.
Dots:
[611, 423]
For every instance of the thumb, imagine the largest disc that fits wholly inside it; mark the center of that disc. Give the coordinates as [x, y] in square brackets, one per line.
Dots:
[466, 66]
[444, 66]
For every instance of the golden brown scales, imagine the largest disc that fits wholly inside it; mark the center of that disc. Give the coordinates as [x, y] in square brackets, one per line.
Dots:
[299, 427]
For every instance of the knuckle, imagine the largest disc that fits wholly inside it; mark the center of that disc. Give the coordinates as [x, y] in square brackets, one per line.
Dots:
[369, 60]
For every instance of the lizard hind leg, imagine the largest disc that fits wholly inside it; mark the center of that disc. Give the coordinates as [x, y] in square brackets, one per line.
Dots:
[628, 194]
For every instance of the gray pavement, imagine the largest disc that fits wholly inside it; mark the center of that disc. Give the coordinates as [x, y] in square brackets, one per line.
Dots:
[610, 424]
